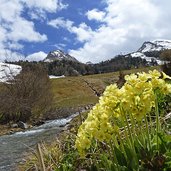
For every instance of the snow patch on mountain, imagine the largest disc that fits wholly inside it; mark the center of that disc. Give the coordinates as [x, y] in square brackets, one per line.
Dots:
[8, 71]
[166, 44]
[143, 56]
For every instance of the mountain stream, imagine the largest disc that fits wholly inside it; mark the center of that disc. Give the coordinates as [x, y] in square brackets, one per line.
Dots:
[13, 147]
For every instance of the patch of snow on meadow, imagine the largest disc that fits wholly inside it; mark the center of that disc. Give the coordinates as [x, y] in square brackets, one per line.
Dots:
[8, 71]
[53, 76]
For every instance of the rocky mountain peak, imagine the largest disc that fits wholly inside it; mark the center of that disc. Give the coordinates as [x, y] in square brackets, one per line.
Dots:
[156, 45]
[151, 50]
[59, 55]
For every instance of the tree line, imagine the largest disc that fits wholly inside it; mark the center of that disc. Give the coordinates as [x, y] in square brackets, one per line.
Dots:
[73, 68]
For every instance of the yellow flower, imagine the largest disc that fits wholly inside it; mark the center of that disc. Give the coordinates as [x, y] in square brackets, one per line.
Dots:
[131, 79]
[155, 74]
[136, 98]
[100, 135]
[143, 76]
[157, 83]
[165, 76]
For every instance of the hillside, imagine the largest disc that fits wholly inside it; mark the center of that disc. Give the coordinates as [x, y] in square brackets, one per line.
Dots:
[74, 93]
[72, 68]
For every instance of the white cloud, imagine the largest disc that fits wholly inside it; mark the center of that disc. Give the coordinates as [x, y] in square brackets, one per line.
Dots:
[125, 26]
[60, 22]
[9, 10]
[95, 14]
[82, 32]
[6, 54]
[101, 46]
[60, 46]
[3, 33]
[22, 29]
[38, 56]
[38, 8]
[14, 45]
[66, 39]
[15, 28]
[49, 6]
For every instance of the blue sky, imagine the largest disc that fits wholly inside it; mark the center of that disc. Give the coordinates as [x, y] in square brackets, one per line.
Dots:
[86, 29]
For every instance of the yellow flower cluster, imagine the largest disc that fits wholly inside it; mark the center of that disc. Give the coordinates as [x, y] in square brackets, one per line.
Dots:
[136, 97]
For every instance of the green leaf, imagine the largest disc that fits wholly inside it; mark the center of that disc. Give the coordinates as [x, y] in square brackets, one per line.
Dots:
[131, 160]
[120, 157]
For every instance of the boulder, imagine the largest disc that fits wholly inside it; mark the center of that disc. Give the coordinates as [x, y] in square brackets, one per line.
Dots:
[38, 123]
[11, 132]
[22, 125]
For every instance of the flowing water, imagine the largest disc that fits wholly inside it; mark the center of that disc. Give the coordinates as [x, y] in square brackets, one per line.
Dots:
[13, 147]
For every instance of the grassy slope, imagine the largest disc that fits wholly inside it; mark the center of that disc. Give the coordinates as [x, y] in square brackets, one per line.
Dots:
[71, 92]
[74, 91]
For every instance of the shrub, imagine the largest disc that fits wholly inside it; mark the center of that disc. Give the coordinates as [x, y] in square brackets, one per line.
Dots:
[166, 55]
[26, 96]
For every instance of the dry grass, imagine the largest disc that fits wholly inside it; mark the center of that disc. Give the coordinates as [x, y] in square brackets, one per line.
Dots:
[74, 92]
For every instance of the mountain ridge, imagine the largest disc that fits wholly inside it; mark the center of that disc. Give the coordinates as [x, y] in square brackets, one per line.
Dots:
[149, 50]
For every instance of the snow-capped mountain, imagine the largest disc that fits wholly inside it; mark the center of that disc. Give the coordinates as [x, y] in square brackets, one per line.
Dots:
[58, 55]
[156, 45]
[8, 71]
[151, 50]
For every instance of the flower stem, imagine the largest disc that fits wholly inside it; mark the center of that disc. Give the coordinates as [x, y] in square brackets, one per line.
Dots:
[130, 137]
[148, 132]
[157, 121]
[112, 145]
